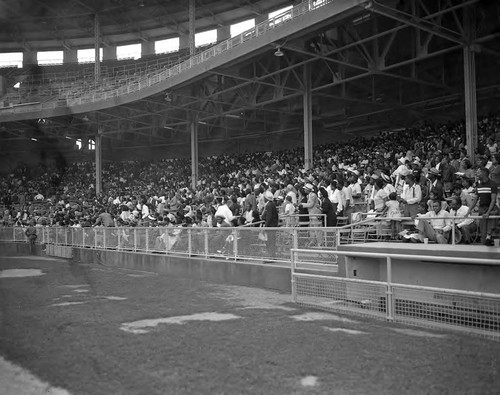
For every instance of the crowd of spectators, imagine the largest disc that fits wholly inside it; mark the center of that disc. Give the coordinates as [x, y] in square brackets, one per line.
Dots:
[395, 174]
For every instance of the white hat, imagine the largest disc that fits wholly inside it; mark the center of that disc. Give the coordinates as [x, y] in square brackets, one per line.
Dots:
[268, 195]
[309, 187]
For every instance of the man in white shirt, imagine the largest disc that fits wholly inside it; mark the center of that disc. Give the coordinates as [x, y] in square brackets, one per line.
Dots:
[438, 227]
[466, 225]
[356, 195]
[411, 196]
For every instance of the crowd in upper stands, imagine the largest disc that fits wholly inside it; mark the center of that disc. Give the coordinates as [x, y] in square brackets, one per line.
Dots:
[376, 175]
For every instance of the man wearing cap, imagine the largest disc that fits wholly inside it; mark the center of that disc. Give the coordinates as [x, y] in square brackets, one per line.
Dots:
[270, 218]
[436, 186]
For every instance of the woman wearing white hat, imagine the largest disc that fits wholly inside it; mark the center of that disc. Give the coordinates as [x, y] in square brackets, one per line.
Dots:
[313, 206]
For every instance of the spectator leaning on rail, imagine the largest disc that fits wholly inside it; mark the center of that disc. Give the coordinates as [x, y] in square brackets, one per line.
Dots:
[270, 218]
[485, 194]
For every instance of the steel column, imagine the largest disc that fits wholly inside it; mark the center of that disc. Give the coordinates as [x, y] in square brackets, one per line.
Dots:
[307, 109]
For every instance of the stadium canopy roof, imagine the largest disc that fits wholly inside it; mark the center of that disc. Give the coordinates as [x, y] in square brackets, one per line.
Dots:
[57, 24]
[380, 65]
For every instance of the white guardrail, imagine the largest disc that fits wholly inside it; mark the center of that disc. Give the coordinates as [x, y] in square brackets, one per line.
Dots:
[152, 72]
[420, 305]
[249, 243]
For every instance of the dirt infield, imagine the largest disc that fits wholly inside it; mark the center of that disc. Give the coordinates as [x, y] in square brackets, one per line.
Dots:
[93, 329]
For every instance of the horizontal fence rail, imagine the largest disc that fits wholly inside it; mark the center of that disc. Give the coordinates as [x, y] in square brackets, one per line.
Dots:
[472, 312]
[236, 243]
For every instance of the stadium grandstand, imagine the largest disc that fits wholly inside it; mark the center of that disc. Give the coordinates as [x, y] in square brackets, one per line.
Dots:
[345, 152]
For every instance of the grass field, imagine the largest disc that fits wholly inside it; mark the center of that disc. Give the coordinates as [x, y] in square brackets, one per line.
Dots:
[93, 329]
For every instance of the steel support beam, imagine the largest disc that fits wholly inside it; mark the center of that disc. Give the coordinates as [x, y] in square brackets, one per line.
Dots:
[307, 108]
[470, 87]
[98, 160]
[97, 46]
[193, 125]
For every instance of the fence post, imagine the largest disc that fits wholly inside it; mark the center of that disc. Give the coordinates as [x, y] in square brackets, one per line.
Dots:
[147, 239]
[135, 239]
[294, 284]
[57, 232]
[104, 235]
[235, 243]
[190, 246]
[389, 304]
[95, 238]
[453, 231]
[205, 233]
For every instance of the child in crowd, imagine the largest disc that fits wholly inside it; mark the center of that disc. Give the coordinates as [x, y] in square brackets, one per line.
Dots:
[393, 212]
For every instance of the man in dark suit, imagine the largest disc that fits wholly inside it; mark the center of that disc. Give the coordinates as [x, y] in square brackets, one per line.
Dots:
[270, 218]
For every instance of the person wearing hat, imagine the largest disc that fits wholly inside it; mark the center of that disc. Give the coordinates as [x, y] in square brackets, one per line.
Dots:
[313, 207]
[270, 218]
[436, 187]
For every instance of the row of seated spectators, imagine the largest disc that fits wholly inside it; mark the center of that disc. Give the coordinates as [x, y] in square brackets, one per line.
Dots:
[346, 178]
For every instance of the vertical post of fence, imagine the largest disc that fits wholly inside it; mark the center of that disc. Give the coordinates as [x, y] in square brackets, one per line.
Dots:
[389, 302]
[95, 238]
[56, 234]
[453, 231]
[147, 239]
[235, 243]
[295, 238]
[119, 239]
[205, 244]
[66, 237]
[294, 284]
[135, 239]
[190, 245]
[104, 235]
[83, 237]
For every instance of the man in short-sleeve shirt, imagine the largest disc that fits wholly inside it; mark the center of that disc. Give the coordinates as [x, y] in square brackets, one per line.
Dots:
[486, 194]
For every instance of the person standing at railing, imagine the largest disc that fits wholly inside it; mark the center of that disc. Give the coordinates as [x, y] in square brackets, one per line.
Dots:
[411, 196]
[313, 207]
[327, 208]
[289, 212]
[30, 233]
[485, 194]
[270, 218]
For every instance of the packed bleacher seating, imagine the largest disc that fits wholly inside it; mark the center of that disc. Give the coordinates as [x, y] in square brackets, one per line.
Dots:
[366, 177]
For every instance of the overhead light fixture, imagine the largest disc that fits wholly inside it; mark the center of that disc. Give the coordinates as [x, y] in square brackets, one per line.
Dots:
[278, 52]
[85, 118]
[17, 85]
[141, 3]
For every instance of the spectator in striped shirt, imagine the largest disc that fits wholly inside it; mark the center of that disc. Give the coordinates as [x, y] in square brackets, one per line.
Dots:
[486, 195]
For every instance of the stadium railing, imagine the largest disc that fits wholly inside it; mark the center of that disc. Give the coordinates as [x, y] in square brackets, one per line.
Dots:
[142, 74]
[420, 305]
[236, 243]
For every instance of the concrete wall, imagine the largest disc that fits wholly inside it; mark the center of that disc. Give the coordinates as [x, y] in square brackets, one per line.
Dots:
[468, 277]
[218, 271]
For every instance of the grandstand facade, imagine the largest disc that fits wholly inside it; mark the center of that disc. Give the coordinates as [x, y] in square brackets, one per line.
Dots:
[349, 68]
